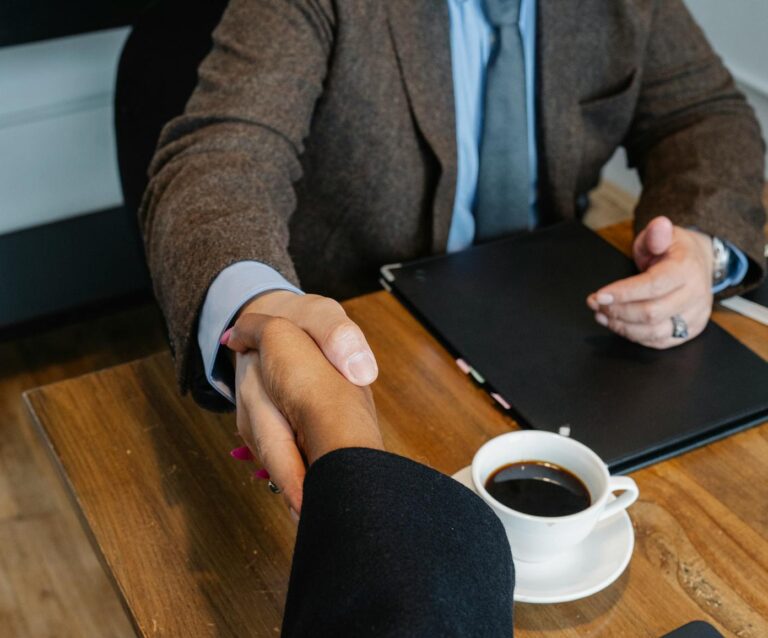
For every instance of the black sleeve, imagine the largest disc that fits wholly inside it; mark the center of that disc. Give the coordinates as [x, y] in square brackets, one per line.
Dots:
[389, 547]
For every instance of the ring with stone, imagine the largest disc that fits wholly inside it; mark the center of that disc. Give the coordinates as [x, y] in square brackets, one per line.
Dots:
[679, 327]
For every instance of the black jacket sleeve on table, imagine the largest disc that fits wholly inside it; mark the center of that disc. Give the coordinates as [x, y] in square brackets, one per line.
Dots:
[389, 547]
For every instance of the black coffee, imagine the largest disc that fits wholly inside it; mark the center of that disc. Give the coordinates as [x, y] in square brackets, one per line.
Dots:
[538, 488]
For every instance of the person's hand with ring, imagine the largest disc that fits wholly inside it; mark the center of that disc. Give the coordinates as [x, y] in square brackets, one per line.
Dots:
[670, 301]
[293, 405]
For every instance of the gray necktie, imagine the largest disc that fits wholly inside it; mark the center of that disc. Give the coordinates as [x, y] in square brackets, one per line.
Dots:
[501, 205]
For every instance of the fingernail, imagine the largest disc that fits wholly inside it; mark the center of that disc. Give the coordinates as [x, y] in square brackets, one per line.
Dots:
[601, 319]
[293, 514]
[261, 474]
[604, 299]
[225, 337]
[362, 368]
[241, 454]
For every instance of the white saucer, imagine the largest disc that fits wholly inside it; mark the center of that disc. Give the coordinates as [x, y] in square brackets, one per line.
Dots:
[591, 566]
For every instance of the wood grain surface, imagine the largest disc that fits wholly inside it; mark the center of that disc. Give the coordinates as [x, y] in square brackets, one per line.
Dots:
[51, 585]
[197, 548]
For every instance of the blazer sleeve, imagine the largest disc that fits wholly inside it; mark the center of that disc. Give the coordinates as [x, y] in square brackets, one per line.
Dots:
[389, 547]
[696, 141]
[221, 182]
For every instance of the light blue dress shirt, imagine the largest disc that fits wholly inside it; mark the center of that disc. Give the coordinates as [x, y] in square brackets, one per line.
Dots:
[470, 49]
[470, 38]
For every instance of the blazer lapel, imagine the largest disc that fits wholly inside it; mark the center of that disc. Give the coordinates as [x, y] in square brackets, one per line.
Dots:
[421, 33]
[562, 58]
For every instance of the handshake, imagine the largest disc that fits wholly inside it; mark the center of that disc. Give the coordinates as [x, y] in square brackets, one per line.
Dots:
[293, 405]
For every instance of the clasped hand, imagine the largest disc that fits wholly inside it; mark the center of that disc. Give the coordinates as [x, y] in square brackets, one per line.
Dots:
[293, 405]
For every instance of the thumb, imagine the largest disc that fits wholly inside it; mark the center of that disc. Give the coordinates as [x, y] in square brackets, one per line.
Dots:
[340, 339]
[653, 242]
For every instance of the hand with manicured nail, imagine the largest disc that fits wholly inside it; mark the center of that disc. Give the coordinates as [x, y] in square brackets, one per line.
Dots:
[242, 453]
[293, 406]
[676, 279]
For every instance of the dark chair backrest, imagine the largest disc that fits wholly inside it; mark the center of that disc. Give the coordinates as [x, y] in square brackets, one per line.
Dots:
[156, 75]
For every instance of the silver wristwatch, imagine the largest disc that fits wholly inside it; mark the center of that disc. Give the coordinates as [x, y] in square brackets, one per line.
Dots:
[722, 257]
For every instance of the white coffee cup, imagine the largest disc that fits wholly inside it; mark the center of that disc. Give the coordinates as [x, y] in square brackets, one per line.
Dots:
[540, 538]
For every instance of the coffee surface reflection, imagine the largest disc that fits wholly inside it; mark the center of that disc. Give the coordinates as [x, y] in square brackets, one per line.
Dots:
[538, 488]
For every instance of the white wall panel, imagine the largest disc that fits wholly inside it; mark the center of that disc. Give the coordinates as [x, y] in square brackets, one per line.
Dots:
[57, 149]
[57, 167]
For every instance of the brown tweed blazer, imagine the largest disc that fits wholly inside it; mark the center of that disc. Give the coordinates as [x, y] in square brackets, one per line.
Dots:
[321, 141]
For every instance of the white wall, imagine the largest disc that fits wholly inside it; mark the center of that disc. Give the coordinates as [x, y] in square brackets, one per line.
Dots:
[738, 30]
[57, 148]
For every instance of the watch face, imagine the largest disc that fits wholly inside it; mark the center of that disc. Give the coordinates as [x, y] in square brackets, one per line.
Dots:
[721, 257]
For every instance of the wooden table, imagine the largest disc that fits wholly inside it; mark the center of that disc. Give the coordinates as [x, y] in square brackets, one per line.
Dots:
[195, 547]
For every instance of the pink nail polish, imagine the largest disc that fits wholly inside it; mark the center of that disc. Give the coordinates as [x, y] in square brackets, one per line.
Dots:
[293, 514]
[605, 299]
[241, 454]
[261, 474]
[225, 337]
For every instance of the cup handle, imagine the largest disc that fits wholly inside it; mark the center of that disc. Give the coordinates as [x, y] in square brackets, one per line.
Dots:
[629, 494]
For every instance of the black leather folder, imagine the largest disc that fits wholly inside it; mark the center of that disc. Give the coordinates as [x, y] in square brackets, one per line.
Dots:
[513, 313]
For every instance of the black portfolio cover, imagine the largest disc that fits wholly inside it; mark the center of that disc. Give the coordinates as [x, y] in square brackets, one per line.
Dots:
[759, 294]
[514, 314]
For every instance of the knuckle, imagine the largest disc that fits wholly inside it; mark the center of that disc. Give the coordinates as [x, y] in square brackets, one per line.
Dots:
[651, 313]
[275, 328]
[619, 327]
[657, 285]
[662, 332]
[242, 323]
[343, 332]
[325, 305]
